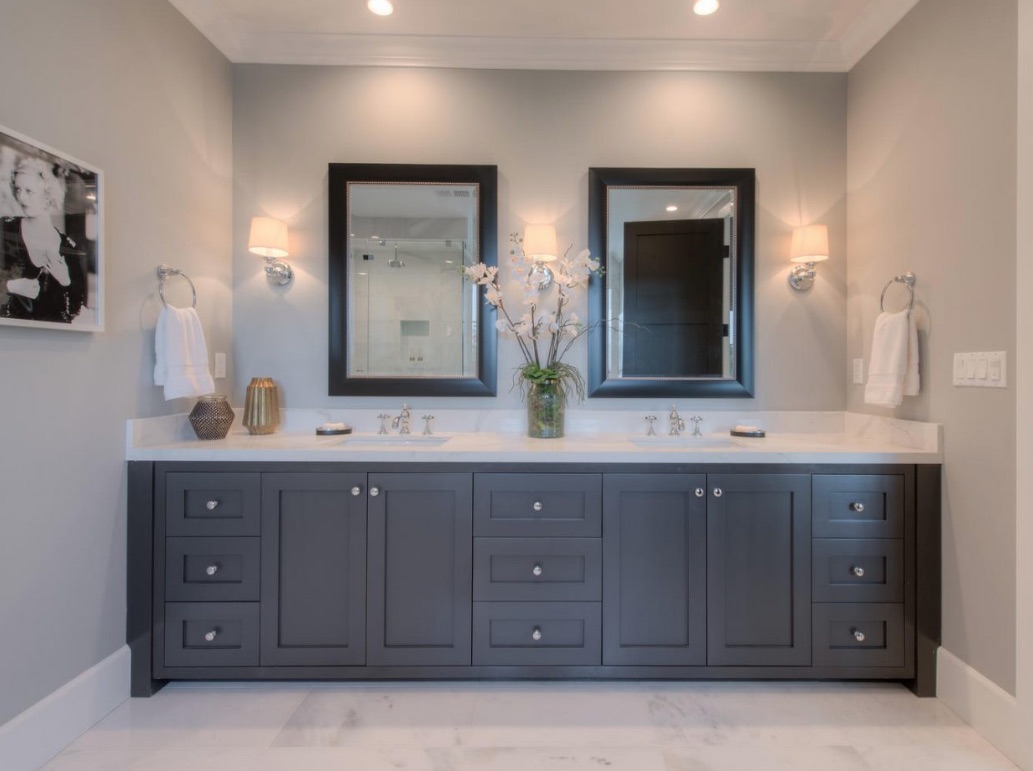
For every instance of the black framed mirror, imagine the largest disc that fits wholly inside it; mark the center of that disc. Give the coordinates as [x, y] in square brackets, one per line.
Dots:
[673, 315]
[403, 321]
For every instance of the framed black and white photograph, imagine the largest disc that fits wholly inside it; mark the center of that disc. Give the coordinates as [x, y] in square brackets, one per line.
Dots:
[51, 260]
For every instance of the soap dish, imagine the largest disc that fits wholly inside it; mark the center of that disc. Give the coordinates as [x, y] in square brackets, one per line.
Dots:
[335, 431]
[752, 433]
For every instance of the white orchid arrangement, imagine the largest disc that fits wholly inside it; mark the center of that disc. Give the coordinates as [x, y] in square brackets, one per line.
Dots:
[544, 336]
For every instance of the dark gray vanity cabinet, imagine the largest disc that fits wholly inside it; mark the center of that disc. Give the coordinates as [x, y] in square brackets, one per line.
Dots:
[353, 571]
[313, 606]
[759, 569]
[420, 563]
[655, 576]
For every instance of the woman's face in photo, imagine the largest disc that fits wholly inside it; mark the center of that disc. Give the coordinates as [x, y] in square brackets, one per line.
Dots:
[28, 191]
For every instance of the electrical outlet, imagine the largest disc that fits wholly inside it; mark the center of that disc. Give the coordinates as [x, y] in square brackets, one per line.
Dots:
[858, 371]
[220, 366]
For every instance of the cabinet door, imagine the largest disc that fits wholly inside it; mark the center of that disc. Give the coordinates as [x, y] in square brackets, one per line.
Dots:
[654, 569]
[313, 569]
[420, 569]
[759, 569]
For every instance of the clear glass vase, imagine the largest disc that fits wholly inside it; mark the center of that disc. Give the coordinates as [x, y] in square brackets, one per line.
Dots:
[546, 408]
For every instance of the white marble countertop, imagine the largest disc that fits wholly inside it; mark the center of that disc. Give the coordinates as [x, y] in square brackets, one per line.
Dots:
[497, 436]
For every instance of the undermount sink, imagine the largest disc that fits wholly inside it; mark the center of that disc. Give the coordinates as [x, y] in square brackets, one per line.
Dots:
[398, 440]
[685, 442]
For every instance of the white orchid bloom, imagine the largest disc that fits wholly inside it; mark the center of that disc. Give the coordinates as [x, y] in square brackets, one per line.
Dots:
[493, 295]
[502, 325]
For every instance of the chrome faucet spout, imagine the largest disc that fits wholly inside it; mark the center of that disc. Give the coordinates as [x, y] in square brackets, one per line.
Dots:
[677, 424]
[403, 421]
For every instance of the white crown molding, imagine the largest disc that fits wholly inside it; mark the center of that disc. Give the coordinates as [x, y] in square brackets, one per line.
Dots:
[539, 54]
[880, 17]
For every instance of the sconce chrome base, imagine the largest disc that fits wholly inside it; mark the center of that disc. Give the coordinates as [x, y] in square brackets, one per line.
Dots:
[543, 283]
[802, 276]
[278, 272]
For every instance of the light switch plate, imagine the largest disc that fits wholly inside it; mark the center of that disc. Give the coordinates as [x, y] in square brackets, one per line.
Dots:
[988, 369]
[858, 371]
[220, 366]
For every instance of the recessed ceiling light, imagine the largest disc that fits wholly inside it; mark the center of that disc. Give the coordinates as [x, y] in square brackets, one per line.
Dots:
[701, 7]
[672, 207]
[381, 7]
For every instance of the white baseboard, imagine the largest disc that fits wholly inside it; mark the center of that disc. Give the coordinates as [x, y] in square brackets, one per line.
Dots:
[980, 702]
[43, 730]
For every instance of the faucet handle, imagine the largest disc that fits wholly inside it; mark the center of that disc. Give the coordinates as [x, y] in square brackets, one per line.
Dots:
[426, 426]
[651, 419]
[383, 418]
[696, 419]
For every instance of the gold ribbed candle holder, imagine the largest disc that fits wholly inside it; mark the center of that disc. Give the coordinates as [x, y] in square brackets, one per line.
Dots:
[261, 406]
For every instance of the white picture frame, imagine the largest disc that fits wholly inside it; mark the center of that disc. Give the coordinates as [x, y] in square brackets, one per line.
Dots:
[51, 238]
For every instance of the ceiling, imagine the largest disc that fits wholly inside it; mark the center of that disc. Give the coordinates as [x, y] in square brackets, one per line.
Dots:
[744, 35]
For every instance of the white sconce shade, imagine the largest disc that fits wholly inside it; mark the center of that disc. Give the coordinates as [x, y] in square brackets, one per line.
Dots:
[810, 245]
[540, 243]
[268, 238]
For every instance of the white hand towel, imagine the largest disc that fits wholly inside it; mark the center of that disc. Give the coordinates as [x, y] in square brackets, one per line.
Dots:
[893, 367]
[181, 355]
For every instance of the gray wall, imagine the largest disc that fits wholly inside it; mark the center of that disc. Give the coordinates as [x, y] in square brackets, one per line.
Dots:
[543, 130]
[932, 158]
[130, 87]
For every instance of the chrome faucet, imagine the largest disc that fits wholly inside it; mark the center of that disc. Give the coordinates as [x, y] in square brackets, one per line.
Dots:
[696, 420]
[651, 420]
[402, 421]
[677, 424]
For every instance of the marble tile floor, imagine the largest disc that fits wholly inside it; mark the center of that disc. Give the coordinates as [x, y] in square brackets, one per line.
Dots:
[553, 726]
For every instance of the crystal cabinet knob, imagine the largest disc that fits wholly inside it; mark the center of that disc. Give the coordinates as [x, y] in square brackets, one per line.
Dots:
[537, 506]
[374, 491]
[859, 635]
[536, 634]
[700, 492]
[857, 506]
[212, 505]
[718, 492]
[210, 636]
[536, 570]
[356, 490]
[858, 571]
[211, 570]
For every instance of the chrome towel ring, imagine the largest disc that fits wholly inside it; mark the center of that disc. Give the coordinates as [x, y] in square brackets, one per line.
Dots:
[164, 271]
[908, 280]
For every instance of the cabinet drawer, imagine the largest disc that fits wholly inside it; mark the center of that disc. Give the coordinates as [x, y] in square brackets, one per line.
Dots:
[537, 569]
[857, 635]
[211, 503]
[858, 506]
[857, 570]
[546, 633]
[211, 634]
[211, 569]
[538, 505]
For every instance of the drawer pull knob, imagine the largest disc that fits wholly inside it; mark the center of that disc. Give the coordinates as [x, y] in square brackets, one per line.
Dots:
[374, 491]
[537, 506]
[211, 570]
[536, 634]
[859, 635]
[718, 492]
[536, 570]
[857, 506]
[858, 571]
[212, 505]
[356, 490]
[210, 636]
[700, 492]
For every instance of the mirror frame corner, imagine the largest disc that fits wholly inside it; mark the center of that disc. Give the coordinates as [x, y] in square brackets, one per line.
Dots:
[339, 177]
[742, 385]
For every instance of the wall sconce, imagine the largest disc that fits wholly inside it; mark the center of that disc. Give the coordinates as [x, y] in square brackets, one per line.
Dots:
[269, 239]
[810, 245]
[539, 245]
